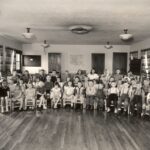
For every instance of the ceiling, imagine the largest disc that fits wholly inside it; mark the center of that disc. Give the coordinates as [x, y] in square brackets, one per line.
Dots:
[50, 20]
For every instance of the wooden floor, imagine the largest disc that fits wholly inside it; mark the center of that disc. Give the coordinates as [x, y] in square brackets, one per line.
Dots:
[70, 130]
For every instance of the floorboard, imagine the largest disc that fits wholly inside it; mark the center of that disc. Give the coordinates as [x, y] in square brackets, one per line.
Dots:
[72, 130]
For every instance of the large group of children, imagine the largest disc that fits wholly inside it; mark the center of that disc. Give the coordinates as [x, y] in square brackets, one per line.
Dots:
[121, 93]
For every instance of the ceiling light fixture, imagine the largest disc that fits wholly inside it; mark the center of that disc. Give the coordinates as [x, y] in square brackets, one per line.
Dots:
[45, 45]
[126, 35]
[80, 29]
[108, 45]
[28, 34]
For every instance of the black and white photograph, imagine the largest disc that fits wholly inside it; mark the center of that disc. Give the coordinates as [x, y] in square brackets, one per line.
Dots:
[74, 74]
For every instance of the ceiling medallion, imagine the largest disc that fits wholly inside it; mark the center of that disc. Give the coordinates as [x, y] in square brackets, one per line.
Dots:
[80, 29]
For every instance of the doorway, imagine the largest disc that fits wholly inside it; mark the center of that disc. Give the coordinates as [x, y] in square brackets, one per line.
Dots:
[54, 62]
[98, 62]
[120, 62]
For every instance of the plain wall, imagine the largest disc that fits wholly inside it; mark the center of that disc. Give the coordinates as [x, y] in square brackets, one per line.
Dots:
[68, 50]
[140, 45]
[10, 43]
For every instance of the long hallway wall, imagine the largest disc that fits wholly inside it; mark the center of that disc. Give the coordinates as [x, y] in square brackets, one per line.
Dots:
[68, 51]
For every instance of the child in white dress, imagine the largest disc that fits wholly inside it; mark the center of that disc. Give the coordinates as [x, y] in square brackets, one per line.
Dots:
[30, 94]
[68, 95]
[55, 95]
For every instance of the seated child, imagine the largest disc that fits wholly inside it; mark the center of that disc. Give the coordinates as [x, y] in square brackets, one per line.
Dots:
[55, 95]
[30, 94]
[90, 95]
[146, 105]
[22, 85]
[136, 98]
[119, 85]
[48, 84]
[5, 94]
[18, 96]
[86, 82]
[41, 91]
[124, 97]
[100, 95]
[79, 94]
[68, 94]
[76, 80]
[145, 91]
[113, 93]
[60, 82]
[12, 87]
[36, 82]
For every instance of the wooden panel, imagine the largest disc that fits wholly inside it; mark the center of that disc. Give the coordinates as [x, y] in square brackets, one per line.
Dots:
[54, 62]
[98, 62]
[120, 62]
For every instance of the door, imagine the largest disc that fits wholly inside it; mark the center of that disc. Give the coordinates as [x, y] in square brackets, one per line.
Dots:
[54, 62]
[120, 62]
[98, 62]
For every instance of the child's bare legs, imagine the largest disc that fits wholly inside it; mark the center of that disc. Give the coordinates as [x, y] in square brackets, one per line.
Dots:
[147, 108]
[21, 103]
[95, 103]
[126, 104]
[84, 103]
[42, 102]
[56, 100]
[2, 104]
[6, 102]
[26, 99]
[143, 109]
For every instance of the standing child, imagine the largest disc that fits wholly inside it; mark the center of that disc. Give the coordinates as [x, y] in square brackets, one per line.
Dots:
[91, 96]
[5, 94]
[113, 93]
[30, 94]
[55, 95]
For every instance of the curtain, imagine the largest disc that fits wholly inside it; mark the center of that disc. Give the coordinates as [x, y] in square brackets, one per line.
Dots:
[1, 59]
[10, 60]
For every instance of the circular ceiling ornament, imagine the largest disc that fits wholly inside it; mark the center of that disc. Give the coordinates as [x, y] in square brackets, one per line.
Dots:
[80, 29]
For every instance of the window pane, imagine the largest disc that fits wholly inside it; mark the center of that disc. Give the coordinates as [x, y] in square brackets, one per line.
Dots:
[18, 65]
[17, 57]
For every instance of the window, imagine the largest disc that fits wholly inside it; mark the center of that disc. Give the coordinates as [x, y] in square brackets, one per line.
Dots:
[18, 61]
